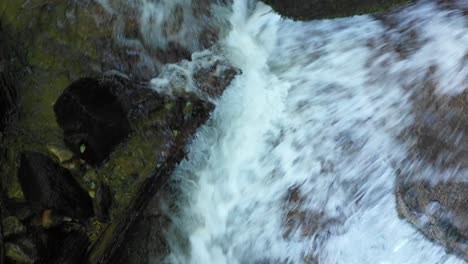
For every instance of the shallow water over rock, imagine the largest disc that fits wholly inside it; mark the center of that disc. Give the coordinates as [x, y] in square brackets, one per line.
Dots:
[301, 159]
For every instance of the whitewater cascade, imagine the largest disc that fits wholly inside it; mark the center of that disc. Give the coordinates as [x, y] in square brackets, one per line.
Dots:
[299, 161]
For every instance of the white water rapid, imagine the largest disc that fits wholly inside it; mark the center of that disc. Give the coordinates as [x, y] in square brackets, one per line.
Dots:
[299, 160]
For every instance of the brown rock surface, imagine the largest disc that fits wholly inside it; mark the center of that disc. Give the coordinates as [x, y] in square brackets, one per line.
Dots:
[439, 211]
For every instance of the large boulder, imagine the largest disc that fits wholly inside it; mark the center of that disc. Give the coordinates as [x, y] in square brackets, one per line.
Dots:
[319, 9]
[93, 119]
[46, 185]
[439, 211]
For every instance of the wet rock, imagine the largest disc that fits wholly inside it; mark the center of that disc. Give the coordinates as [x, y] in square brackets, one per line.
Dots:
[206, 76]
[22, 250]
[439, 211]
[92, 118]
[319, 9]
[46, 185]
[213, 79]
[103, 202]
[441, 127]
[12, 226]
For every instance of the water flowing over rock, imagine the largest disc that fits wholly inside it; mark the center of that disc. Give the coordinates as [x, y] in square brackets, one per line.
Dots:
[46, 185]
[302, 160]
[206, 76]
[439, 211]
[219, 131]
[168, 31]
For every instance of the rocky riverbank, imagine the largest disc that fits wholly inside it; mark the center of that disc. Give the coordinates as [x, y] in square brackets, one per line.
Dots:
[85, 142]
[86, 139]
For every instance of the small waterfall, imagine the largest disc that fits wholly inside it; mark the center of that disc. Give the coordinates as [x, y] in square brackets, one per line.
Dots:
[300, 159]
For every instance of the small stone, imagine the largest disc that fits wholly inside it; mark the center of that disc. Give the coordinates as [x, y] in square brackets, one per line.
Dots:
[12, 226]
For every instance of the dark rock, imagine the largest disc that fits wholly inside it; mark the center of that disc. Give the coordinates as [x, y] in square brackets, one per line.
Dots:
[319, 9]
[19, 209]
[8, 76]
[12, 226]
[108, 246]
[207, 76]
[438, 211]
[65, 247]
[103, 202]
[92, 118]
[46, 185]
[2, 251]
[22, 250]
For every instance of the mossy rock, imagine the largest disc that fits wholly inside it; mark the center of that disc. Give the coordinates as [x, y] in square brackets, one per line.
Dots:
[321, 9]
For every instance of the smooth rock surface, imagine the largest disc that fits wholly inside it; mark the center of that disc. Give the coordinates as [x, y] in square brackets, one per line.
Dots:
[93, 119]
[439, 211]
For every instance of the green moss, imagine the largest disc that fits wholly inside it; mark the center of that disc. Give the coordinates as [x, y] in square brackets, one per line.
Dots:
[105, 240]
[168, 106]
[16, 253]
[59, 50]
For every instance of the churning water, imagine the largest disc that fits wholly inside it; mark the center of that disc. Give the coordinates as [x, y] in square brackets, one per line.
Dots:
[299, 161]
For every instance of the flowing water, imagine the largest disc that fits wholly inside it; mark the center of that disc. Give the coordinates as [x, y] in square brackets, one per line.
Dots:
[299, 161]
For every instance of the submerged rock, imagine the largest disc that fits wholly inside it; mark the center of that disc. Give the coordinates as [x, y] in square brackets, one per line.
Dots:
[92, 118]
[46, 185]
[319, 9]
[439, 211]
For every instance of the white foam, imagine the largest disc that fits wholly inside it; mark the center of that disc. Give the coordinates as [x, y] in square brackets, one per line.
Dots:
[307, 112]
